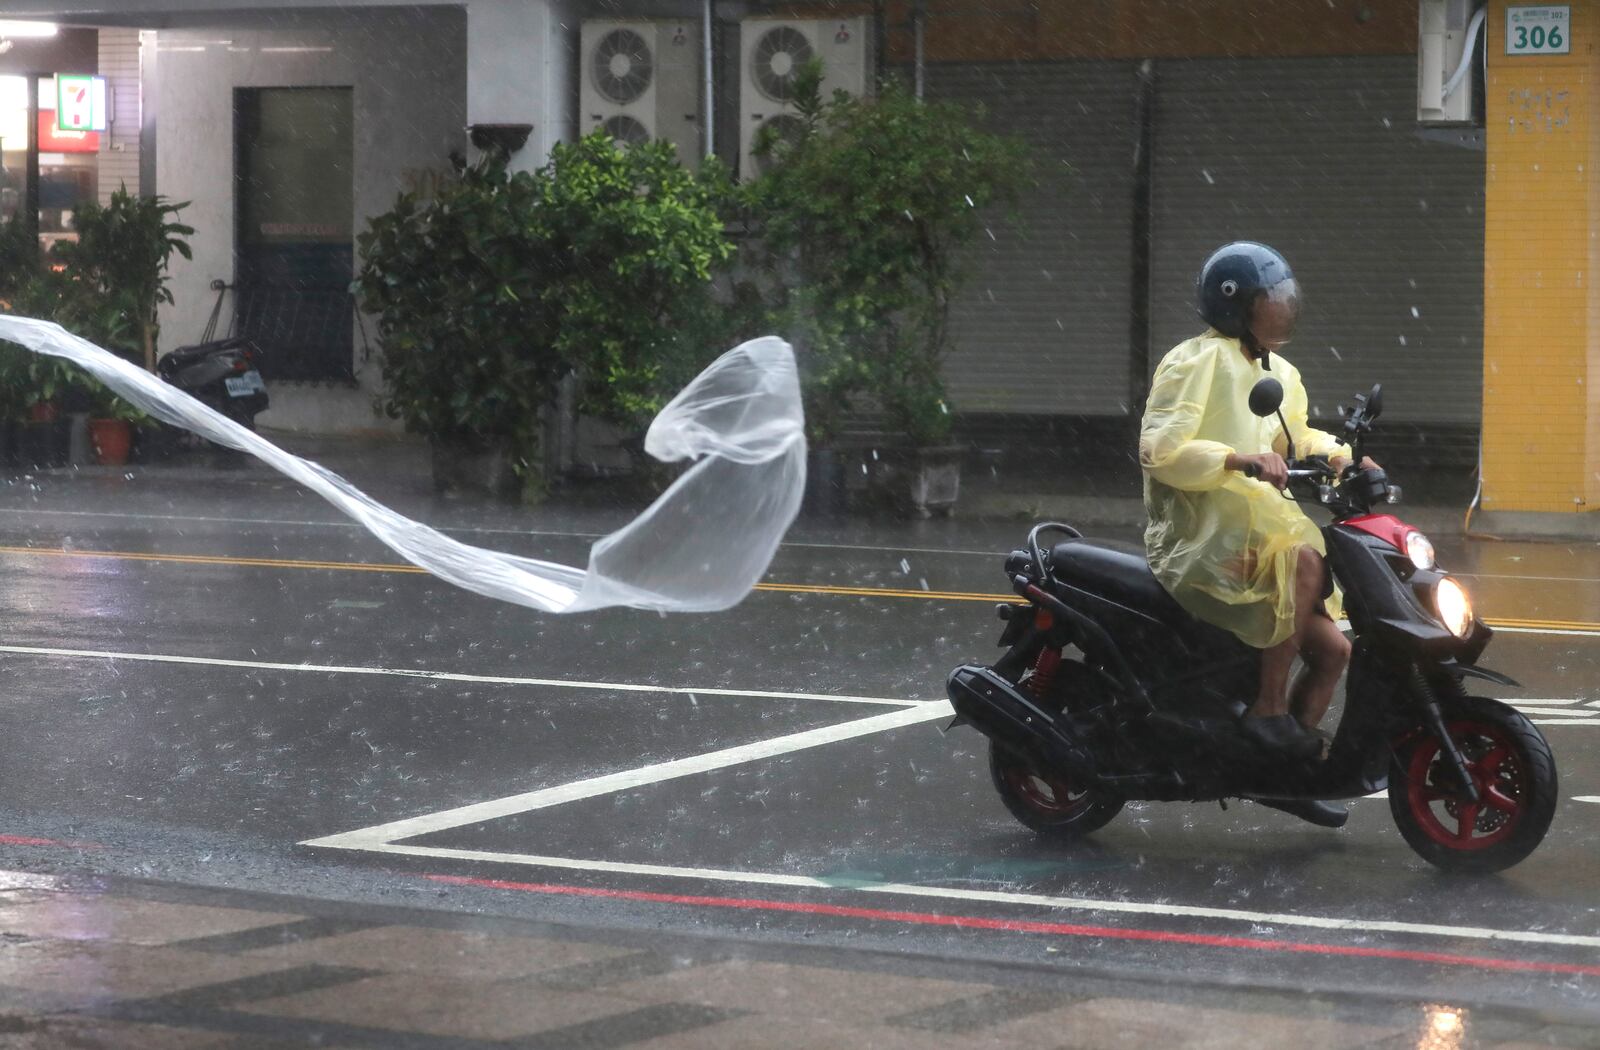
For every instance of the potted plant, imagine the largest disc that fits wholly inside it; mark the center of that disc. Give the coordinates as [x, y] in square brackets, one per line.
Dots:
[111, 434]
[13, 395]
[118, 268]
[111, 424]
[866, 210]
[497, 285]
[43, 435]
[632, 310]
[455, 280]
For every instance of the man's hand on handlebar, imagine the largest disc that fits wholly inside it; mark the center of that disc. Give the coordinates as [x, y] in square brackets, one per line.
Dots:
[1267, 466]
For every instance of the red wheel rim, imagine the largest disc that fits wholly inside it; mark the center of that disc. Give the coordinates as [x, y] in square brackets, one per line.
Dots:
[1497, 769]
[1047, 794]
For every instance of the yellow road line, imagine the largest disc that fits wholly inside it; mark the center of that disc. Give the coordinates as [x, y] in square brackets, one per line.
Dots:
[1549, 625]
[355, 566]
[206, 559]
[781, 588]
[884, 592]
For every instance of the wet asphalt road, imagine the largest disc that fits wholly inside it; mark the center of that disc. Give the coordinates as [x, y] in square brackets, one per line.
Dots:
[206, 671]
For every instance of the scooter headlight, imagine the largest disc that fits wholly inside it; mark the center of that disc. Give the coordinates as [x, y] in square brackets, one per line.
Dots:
[1453, 606]
[1420, 550]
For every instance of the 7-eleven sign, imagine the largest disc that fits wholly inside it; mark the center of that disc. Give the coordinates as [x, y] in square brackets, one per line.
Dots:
[80, 103]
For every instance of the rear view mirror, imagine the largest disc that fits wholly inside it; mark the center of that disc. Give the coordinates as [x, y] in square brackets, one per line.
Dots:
[1266, 396]
[1375, 401]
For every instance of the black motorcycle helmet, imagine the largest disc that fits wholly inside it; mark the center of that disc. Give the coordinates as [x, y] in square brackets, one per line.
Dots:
[1231, 281]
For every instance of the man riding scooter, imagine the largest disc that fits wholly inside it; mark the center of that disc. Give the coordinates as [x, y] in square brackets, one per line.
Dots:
[1222, 538]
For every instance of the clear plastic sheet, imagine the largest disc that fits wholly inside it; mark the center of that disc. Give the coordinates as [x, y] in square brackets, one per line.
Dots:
[700, 547]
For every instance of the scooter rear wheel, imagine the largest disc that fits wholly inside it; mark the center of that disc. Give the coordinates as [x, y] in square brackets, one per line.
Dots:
[1515, 774]
[1048, 803]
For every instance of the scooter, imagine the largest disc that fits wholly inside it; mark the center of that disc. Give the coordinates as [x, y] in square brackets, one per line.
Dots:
[223, 374]
[1109, 691]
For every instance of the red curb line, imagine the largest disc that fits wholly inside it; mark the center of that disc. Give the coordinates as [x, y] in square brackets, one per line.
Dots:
[27, 840]
[1058, 929]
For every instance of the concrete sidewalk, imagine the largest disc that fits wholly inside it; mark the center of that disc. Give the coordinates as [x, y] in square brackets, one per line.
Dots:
[127, 964]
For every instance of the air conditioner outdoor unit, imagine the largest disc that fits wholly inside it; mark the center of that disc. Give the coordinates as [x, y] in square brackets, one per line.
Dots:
[1447, 32]
[772, 52]
[640, 80]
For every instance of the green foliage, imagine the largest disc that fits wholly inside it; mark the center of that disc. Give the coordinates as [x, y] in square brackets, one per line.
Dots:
[105, 287]
[642, 237]
[496, 285]
[27, 378]
[119, 269]
[455, 279]
[864, 212]
[19, 257]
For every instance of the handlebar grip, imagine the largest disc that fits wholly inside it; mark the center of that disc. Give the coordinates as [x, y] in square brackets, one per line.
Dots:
[1252, 470]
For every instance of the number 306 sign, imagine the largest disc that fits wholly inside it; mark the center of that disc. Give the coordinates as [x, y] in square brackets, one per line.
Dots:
[1545, 30]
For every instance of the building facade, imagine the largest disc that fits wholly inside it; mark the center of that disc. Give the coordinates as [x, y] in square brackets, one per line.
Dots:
[1162, 130]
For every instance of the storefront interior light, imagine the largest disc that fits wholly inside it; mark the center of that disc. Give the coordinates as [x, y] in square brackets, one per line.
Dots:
[30, 30]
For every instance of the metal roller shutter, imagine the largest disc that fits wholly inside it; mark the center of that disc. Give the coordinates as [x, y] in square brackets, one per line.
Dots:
[1321, 159]
[1042, 325]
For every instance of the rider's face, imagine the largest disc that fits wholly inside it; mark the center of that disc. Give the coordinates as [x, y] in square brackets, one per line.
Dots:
[1272, 320]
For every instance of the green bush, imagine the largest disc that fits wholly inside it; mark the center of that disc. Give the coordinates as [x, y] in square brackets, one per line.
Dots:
[456, 280]
[27, 378]
[118, 267]
[105, 287]
[863, 214]
[496, 285]
[642, 237]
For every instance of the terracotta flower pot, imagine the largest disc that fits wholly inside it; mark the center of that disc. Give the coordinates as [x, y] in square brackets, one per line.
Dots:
[112, 440]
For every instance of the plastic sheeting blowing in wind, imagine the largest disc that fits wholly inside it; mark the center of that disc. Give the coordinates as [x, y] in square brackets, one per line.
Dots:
[700, 547]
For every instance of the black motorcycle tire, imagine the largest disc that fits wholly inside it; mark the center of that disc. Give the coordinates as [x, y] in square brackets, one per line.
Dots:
[1046, 802]
[1524, 775]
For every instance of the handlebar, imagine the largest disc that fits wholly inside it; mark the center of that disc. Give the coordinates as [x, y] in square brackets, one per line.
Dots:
[1253, 470]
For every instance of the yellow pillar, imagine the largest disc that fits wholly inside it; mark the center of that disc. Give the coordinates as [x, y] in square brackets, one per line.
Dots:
[1541, 324]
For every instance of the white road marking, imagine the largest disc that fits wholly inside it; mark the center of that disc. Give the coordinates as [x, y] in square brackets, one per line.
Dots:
[385, 839]
[1528, 701]
[451, 676]
[382, 834]
[1040, 900]
[1586, 798]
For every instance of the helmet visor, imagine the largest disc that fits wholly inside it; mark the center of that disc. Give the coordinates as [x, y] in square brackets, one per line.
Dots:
[1274, 314]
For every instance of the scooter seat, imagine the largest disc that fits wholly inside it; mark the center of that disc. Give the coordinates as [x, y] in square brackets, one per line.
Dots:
[1120, 572]
[185, 355]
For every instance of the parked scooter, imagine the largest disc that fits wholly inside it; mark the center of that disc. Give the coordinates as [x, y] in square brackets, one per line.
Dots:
[223, 374]
[1149, 707]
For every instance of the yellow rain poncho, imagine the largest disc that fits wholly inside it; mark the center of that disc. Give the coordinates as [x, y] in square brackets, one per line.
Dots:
[1223, 544]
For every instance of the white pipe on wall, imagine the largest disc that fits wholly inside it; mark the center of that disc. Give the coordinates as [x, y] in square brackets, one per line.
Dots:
[710, 112]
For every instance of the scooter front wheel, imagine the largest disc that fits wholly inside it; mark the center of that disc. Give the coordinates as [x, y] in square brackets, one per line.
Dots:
[1048, 803]
[1510, 763]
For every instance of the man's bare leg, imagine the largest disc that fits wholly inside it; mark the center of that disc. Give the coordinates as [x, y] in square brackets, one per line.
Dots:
[1276, 662]
[1327, 652]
